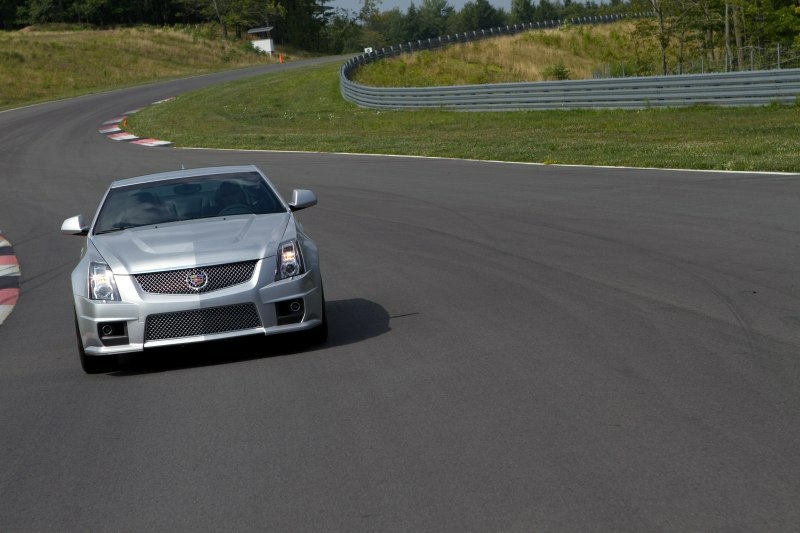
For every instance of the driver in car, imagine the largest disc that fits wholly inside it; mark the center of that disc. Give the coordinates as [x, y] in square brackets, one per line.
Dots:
[230, 194]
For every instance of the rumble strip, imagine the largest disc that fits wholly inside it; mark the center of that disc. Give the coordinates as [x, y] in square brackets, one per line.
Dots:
[114, 129]
[9, 279]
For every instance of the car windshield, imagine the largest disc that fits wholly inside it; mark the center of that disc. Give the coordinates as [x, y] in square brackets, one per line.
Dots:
[186, 199]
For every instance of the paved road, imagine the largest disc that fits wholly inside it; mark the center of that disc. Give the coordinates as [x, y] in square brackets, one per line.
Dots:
[513, 348]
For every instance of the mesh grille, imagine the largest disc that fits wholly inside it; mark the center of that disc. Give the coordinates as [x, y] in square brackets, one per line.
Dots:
[201, 322]
[196, 280]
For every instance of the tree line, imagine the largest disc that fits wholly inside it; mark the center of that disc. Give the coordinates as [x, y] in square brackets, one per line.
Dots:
[740, 34]
[714, 30]
[298, 22]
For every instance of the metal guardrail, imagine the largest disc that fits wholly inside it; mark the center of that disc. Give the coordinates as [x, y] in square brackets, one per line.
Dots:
[725, 89]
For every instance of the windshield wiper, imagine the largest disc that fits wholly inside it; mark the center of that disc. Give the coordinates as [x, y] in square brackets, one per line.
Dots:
[113, 230]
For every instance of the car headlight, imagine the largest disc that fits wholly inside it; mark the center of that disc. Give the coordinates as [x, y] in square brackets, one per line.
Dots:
[101, 283]
[290, 261]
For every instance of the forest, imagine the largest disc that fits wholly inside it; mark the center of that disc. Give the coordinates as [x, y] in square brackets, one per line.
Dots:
[734, 32]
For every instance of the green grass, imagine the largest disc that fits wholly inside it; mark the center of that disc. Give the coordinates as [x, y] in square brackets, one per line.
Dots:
[302, 110]
[45, 64]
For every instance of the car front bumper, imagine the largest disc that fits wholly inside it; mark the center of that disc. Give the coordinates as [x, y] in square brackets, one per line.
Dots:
[143, 320]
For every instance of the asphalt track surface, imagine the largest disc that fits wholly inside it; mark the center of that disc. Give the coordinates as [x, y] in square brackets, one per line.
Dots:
[512, 348]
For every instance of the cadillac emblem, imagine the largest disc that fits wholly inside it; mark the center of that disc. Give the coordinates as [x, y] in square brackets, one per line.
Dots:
[196, 279]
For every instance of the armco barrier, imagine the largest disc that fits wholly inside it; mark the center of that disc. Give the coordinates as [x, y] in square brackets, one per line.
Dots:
[724, 89]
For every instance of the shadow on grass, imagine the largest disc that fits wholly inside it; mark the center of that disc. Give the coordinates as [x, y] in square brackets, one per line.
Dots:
[349, 322]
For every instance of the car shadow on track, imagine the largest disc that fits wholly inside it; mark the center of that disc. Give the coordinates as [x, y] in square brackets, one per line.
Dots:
[349, 322]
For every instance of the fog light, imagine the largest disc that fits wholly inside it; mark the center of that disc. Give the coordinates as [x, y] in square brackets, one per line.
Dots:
[113, 333]
[290, 311]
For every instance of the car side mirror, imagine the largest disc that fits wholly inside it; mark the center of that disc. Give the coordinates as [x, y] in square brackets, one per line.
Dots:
[74, 226]
[302, 198]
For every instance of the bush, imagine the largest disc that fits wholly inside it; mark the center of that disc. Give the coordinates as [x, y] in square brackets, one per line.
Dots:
[556, 72]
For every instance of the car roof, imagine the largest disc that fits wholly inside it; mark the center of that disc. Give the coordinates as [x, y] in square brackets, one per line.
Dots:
[184, 173]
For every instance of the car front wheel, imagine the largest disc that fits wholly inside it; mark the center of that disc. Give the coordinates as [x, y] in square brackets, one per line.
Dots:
[319, 334]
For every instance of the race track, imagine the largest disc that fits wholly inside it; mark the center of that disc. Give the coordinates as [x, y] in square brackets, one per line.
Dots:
[512, 348]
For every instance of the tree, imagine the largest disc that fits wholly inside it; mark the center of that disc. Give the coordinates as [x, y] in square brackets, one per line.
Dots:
[671, 25]
[391, 25]
[220, 11]
[369, 10]
[546, 10]
[433, 18]
[8, 13]
[660, 9]
[42, 11]
[239, 14]
[781, 21]
[343, 33]
[411, 23]
[304, 23]
[478, 15]
[522, 11]
[98, 12]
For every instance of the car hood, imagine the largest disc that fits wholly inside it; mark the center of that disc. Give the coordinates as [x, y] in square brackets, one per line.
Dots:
[192, 243]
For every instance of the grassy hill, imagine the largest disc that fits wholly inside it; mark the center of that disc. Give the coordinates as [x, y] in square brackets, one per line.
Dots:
[38, 64]
[573, 52]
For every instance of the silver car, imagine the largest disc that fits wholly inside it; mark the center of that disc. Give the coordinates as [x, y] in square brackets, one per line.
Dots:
[191, 256]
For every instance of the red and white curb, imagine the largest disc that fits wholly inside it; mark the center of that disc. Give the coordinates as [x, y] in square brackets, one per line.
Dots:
[114, 129]
[9, 279]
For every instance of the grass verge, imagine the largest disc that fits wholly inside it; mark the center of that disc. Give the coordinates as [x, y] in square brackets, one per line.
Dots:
[302, 110]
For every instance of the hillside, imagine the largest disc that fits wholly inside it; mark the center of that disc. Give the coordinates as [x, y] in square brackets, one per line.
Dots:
[44, 64]
[569, 52]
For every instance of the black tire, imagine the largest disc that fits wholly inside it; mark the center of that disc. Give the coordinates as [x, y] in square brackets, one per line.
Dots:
[319, 334]
[94, 364]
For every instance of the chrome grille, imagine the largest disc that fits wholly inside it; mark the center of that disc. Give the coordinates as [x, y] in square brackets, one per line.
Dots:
[201, 322]
[178, 281]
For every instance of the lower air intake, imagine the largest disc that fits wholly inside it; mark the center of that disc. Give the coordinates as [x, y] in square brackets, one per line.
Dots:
[201, 322]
